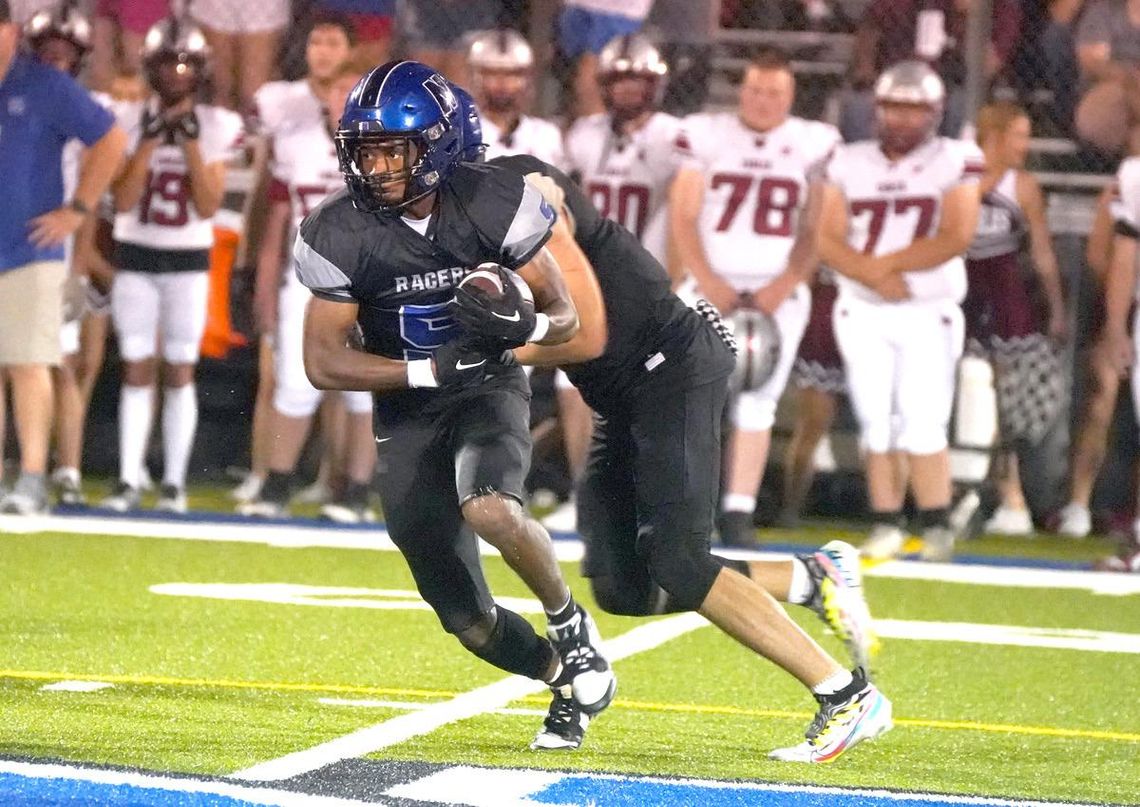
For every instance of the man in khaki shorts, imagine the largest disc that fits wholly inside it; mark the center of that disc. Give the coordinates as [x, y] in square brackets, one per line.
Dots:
[40, 110]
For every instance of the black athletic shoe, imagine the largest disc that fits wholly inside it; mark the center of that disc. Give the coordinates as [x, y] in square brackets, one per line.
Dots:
[736, 529]
[565, 723]
[584, 668]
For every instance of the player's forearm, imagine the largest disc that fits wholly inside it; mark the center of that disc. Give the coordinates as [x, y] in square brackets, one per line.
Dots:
[129, 188]
[690, 251]
[333, 367]
[270, 258]
[206, 186]
[840, 256]
[562, 323]
[100, 163]
[586, 345]
[927, 253]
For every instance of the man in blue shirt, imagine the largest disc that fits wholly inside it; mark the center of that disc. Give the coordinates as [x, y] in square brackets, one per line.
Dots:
[40, 110]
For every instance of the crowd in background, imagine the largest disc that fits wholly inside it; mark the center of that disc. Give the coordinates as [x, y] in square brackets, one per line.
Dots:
[1081, 57]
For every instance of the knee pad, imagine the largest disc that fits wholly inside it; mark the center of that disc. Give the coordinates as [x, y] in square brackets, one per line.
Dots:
[753, 412]
[295, 400]
[922, 437]
[136, 347]
[180, 351]
[616, 596]
[685, 569]
[510, 644]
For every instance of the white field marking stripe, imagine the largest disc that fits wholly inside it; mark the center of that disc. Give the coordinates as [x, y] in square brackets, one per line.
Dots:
[293, 536]
[409, 706]
[469, 704]
[255, 795]
[76, 686]
[1016, 635]
[497, 787]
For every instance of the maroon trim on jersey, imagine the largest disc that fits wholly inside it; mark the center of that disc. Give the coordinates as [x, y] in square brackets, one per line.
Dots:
[973, 168]
[278, 191]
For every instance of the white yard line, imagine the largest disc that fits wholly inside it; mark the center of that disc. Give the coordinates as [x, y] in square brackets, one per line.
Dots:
[253, 795]
[300, 537]
[1097, 641]
[476, 702]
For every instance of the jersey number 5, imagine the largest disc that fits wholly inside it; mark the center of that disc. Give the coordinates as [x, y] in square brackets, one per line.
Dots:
[424, 328]
[776, 203]
[166, 200]
[878, 209]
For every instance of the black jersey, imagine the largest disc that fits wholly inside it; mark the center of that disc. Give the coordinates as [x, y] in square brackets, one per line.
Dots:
[643, 316]
[403, 281]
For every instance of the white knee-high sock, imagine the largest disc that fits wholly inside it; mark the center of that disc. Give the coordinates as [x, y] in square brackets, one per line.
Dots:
[136, 413]
[179, 423]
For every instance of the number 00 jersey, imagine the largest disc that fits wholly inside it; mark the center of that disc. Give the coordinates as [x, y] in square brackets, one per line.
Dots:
[755, 187]
[165, 217]
[643, 317]
[627, 179]
[403, 281]
[891, 204]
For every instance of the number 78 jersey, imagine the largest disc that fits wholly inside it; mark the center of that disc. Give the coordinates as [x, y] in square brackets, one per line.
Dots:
[755, 186]
[892, 204]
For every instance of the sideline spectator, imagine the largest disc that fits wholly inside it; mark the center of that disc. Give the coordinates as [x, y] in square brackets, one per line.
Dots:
[687, 28]
[1058, 54]
[118, 30]
[933, 31]
[243, 38]
[40, 110]
[584, 28]
[374, 22]
[1108, 49]
[436, 31]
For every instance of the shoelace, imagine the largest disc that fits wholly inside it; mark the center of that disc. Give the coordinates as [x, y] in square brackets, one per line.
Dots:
[562, 713]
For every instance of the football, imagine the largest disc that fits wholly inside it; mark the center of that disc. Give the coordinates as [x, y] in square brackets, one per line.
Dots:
[486, 277]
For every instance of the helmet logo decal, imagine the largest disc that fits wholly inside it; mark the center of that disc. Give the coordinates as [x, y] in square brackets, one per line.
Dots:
[441, 91]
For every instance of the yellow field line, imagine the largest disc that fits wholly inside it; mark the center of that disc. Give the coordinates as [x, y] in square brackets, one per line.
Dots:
[645, 706]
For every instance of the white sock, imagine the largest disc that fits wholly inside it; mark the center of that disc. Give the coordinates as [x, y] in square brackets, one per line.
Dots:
[833, 683]
[738, 503]
[801, 588]
[136, 413]
[179, 423]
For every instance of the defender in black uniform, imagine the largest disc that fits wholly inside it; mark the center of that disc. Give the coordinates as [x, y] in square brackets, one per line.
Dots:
[647, 502]
[452, 407]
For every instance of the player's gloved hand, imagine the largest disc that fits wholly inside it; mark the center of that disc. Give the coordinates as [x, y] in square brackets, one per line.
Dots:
[510, 321]
[152, 123]
[187, 126]
[460, 363]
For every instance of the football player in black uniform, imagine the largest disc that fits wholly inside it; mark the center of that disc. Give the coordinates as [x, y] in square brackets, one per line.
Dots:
[649, 494]
[452, 406]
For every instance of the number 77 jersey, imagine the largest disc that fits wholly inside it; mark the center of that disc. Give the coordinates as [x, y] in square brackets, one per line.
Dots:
[755, 186]
[890, 205]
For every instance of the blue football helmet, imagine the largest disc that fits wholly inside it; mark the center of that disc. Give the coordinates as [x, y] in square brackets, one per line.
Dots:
[473, 146]
[405, 105]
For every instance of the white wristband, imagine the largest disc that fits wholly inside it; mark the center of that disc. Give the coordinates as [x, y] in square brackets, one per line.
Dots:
[421, 374]
[541, 326]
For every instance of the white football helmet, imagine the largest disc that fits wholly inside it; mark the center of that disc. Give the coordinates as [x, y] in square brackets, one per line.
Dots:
[912, 83]
[758, 353]
[502, 49]
[631, 56]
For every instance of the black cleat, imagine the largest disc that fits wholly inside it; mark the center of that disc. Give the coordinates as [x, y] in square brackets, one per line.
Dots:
[565, 723]
[584, 669]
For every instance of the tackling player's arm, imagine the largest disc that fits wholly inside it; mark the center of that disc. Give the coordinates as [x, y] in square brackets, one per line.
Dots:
[956, 228]
[582, 284]
[551, 300]
[1041, 248]
[686, 196]
[331, 364]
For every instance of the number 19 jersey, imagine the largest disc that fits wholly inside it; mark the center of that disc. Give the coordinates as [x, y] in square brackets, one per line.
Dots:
[165, 217]
[755, 186]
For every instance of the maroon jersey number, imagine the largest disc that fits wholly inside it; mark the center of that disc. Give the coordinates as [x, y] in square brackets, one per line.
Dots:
[166, 200]
[877, 210]
[776, 203]
[628, 205]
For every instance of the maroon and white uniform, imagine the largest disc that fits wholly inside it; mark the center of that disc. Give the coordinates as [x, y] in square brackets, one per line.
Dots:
[901, 357]
[628, 178]
[162, 245]
[305, 170]
[818, 363]
[756, 184]
[533, 136]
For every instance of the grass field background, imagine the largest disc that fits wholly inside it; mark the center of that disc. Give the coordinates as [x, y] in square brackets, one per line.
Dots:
[213, 686]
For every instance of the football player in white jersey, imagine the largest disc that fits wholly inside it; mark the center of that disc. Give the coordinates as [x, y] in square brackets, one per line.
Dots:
[279, 108]
[897, 214]
[305, 171]
[502, 81]
[736, 210]
[165, 198]
[1122, 291]
[624, 157]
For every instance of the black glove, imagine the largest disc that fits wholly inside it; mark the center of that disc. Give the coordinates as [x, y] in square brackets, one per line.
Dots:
[508, 322]
[153, 125]
[464, 361]
[186, 127]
